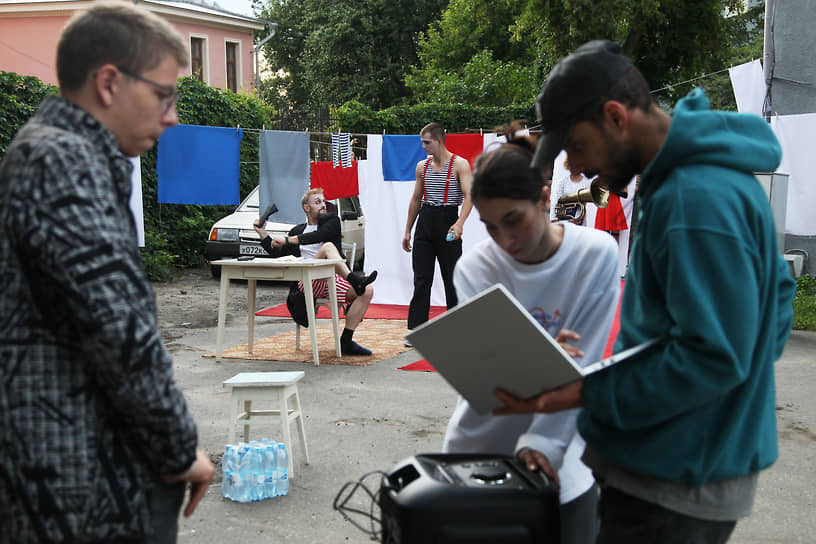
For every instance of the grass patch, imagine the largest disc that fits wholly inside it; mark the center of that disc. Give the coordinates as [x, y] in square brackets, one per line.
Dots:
[804, 303]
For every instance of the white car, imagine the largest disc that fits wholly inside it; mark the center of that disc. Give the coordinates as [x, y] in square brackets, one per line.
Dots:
[233, 235]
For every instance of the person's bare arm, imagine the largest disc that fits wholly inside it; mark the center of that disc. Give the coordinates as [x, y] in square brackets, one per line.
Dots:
[464, 175]
[413, 206]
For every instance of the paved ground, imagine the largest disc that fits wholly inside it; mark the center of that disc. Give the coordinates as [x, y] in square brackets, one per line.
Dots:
[362, 419]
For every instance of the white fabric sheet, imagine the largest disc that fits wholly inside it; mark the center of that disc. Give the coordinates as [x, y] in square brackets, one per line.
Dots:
[136, 206]
[748, 82]
[796, 134]
[386, 210]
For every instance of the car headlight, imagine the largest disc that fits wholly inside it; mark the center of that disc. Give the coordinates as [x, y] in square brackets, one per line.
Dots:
[226, 235]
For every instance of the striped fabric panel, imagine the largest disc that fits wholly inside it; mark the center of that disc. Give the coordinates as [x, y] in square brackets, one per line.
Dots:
[341, 149]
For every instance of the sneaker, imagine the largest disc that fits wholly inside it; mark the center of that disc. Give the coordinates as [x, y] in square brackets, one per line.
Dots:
[408, 343]
[353, 348]
[359, 281]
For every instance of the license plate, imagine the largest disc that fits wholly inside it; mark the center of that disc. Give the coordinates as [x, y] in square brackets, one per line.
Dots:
[246, 249]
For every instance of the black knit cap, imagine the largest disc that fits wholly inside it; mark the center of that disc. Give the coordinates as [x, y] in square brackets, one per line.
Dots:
[577, 80]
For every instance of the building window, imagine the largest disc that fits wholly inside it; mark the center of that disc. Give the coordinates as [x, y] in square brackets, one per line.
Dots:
[232, 67]
[197, 58]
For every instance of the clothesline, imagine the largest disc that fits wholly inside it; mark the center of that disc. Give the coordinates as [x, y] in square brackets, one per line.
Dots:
[533, 129]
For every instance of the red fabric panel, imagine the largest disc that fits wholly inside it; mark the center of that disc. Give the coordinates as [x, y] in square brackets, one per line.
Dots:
[336, 182]
[467, 146]
[611, 218]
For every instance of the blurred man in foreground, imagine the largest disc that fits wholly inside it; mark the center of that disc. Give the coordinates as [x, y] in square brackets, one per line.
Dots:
[96, 437]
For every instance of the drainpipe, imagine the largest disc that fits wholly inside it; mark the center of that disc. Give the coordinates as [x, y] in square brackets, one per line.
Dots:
[273, 27]
[769, 57]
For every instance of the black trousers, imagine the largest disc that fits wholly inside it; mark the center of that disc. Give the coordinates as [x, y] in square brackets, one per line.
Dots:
[626, 519]
[429, 246]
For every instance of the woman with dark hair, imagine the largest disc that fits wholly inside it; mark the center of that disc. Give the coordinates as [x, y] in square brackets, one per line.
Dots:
[566, 277]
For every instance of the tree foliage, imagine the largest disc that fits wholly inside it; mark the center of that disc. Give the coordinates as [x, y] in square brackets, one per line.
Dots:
[669, 41]
[409, 119]
[327, 52]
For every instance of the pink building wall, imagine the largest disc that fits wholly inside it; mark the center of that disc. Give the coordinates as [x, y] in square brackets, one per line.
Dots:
[28, 45]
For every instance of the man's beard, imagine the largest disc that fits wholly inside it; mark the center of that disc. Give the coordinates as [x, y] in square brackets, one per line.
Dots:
[624, 164]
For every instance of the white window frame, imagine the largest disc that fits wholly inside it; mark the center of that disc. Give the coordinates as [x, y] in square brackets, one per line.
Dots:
[239, 76]
[205, 55]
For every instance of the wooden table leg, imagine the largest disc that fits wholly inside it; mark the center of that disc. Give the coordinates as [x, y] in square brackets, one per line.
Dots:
[335, 311]
[251, 285]
[310, 313]
[222, 311]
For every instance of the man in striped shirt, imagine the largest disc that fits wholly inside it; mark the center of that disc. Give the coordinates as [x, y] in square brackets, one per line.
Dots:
[442, 185]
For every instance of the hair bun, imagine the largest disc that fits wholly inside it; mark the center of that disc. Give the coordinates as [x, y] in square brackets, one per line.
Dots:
[526, 143]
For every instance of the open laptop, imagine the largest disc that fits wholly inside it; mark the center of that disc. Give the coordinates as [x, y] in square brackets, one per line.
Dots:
[491, 341]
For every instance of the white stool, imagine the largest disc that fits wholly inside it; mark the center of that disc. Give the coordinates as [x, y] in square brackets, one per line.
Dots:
[264, 387]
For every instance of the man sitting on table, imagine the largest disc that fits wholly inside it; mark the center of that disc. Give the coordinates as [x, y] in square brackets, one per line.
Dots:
[319, 238]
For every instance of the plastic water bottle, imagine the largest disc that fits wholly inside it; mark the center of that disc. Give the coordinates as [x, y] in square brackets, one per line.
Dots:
[269, 468]
[282, 463]
[243, 484]
[229, 466]
[451, 236]
[256, 454]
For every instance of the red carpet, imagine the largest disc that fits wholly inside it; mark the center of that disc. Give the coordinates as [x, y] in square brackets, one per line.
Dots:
[421, 365]
[375, 311]
[424, 366]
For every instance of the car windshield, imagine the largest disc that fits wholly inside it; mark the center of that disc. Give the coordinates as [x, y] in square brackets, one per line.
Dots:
[251, 202]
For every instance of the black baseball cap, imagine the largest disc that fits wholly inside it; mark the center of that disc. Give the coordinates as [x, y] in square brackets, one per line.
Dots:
[577, 80]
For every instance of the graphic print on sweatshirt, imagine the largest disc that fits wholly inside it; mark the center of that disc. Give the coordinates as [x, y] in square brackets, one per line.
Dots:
[551, 322]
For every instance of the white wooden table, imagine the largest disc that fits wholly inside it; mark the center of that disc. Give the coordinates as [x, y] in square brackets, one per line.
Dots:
[261, 268]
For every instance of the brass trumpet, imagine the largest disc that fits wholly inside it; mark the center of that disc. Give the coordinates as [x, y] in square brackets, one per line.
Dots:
[571, 206]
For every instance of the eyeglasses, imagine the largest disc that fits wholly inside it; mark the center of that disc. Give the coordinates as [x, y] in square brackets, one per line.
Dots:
[168, 95]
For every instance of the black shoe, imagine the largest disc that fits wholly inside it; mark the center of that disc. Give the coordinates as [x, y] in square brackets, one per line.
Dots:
[353, 348]
[359, 281]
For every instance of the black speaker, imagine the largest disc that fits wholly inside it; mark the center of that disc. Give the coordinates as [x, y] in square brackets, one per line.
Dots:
[467, 498]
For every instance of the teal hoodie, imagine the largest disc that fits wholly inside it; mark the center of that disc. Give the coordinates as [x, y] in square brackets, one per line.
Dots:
[705, 271]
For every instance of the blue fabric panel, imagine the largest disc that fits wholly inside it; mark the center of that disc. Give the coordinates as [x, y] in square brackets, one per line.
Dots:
[400, 155]
[284, 173]
[199, 165]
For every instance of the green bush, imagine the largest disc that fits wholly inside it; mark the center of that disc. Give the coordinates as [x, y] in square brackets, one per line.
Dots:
[456, 118]
[19, 98]
[174, 234]
[804, 303]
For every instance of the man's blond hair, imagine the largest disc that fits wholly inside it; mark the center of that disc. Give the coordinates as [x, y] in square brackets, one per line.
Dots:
[308, 194]
[119, 33]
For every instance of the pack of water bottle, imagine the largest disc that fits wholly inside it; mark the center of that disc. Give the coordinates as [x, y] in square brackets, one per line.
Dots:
[255, 471]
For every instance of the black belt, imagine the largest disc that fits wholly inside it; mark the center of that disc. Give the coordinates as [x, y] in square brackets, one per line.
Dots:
[435, 205]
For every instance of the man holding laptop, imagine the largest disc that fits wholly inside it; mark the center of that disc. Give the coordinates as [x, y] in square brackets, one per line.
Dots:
[677, 436]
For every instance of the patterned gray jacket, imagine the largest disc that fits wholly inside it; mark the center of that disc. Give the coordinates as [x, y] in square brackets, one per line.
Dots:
[89, 411]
